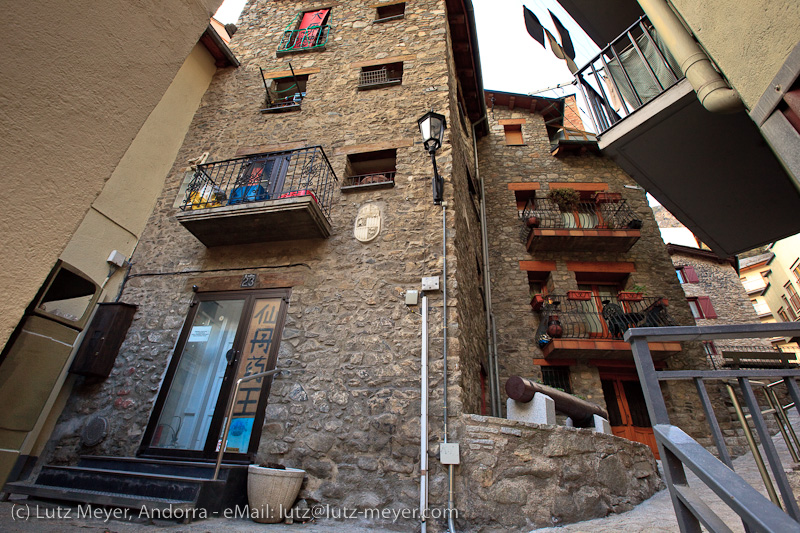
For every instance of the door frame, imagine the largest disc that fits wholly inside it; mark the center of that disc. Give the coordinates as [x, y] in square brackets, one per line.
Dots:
[209, 452]
[617, 376]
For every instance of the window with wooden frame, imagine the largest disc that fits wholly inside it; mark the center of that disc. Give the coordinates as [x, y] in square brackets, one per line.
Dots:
[307, 31]
[687, 274]
[789, 310]
[370, 169]
[389, 12]
[783, 315]
[796, 270]
[513, 134]
[701, 307]
[286, 94]
[377, 76]
[794, 299]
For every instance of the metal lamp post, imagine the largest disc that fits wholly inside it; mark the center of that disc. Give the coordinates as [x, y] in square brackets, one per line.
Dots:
[432, 126]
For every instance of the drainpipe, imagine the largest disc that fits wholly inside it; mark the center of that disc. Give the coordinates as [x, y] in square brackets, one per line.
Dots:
[491, 334]
[712, 91]
[450, 504]
[423, 424]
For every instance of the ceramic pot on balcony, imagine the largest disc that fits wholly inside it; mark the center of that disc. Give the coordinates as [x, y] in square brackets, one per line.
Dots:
[532, 222]
[554, 328]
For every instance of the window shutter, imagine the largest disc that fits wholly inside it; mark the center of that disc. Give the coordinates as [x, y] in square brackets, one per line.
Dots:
[706, 307]
[690, 274]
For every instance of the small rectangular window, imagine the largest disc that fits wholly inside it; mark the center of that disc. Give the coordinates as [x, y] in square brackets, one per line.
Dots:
[370, 169]
[794, 299]
[308, 30]
[513, 135]
[783, 315]
[286, 94]
[377, 76]
[557, 377]
[789, 310]
[390, 12]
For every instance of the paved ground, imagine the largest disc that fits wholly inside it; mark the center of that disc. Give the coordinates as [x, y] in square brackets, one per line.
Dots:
[652, 516]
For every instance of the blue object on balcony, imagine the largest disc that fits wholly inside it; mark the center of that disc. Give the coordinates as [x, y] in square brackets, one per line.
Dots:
[248, 193]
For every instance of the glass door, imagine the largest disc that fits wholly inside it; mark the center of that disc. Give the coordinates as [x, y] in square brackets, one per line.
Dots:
[226, 337]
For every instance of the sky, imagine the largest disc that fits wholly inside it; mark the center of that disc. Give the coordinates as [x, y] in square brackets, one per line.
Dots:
[510, 59]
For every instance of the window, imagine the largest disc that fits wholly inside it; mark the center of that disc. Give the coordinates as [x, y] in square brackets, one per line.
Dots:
[793, 297]
[389, 12]
[513, 135]
[687, 274]
[370, 169]
[307, 31]
[557, 377]
[377, 76]
[783, 315]
[796, 271]
[701, 307]
[789, 310]
[286, 94]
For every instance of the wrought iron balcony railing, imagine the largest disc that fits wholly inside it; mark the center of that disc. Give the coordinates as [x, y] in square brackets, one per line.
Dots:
[583, 315]
[311, 38]
[629, 72]
[263, 178]
[608, 212]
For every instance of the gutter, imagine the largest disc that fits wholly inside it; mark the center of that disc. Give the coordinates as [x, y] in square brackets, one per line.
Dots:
[712, 91]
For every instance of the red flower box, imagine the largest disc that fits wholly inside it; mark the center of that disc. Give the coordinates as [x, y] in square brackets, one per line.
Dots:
[537, 302]
[607, 197]
[629, 296]
[304, 192]
[579, 295]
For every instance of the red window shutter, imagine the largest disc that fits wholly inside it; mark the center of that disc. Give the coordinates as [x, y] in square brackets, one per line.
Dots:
[706, 307]
[690, 274]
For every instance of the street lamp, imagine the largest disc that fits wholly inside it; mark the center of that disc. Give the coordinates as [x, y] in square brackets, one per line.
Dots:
[432, 126]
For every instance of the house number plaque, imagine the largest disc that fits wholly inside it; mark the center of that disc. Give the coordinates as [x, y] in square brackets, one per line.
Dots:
[248, 280]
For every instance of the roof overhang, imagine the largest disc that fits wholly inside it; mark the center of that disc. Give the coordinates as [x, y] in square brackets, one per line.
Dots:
[552, 109]
[603, 21]
[464, 38]
[217, 46]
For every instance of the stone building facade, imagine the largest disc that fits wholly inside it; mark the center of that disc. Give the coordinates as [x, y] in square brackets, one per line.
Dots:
[346, 406]
[583, 250]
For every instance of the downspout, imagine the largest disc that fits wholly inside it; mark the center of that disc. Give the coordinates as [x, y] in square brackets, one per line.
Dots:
[712, 91]
[450, 504]
[491, 334]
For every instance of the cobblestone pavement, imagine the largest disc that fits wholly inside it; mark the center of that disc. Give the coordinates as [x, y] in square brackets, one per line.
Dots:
[652, 516]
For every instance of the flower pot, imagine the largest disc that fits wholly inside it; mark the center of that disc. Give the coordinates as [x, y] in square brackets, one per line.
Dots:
[532, 222]
[271, 492]
[629, 296]
[554, 328]
[537, 302]
[607, 197]
[579, 295]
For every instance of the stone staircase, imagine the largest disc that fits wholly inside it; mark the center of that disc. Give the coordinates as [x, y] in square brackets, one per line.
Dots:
[160, 487]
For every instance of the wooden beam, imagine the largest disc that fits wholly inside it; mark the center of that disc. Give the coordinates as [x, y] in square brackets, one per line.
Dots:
[537, 266]
[511, 101]
[601, 266]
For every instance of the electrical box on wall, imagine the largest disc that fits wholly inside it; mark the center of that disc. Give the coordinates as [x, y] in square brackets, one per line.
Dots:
[430, 284]
[412, 297]
[449, 453]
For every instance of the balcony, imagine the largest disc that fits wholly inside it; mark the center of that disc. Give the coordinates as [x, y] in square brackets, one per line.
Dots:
[307, 39]
[762, 309]
[581, 325]
[755, 286]
[607, 224]
[697, 164]
[266, 197]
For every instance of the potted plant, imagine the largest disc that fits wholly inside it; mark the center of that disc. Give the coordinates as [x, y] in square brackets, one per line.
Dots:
[272, 490]
[636, 294]
[579, 295]
[607, 197]
[566, 199]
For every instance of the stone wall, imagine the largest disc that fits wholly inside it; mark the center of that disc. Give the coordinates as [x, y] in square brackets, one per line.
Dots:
[346, 408]
[517, 476]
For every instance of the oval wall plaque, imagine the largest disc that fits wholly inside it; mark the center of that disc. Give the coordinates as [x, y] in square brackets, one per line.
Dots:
[368, 223]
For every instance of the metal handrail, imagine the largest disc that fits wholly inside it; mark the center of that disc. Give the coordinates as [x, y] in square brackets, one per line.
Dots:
[231, 404]
[679, 450]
